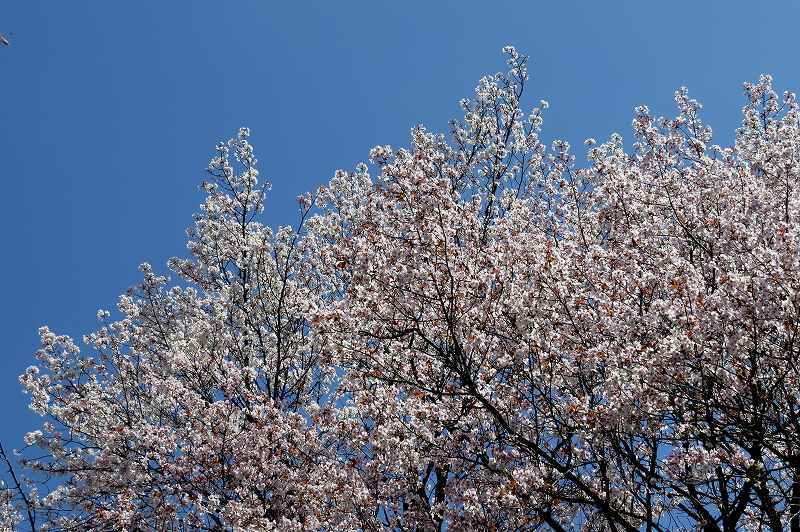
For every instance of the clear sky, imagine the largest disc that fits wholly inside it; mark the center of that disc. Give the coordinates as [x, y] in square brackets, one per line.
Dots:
[109, 111]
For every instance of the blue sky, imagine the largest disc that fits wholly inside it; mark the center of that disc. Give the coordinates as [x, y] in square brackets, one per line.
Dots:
[110, 110]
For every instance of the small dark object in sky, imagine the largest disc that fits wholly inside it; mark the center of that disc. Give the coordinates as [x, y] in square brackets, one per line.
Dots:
[3, 40]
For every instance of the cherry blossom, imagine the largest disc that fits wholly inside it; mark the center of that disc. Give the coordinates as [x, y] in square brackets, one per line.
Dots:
[474, 332]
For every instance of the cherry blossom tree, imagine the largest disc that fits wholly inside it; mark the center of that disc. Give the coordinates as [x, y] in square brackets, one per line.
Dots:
[474, 332]
[193, 409]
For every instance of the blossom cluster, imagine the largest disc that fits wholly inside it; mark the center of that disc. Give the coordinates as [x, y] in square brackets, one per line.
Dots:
[473, 332]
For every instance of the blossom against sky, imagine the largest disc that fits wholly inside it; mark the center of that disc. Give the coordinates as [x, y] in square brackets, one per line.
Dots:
[109, 112]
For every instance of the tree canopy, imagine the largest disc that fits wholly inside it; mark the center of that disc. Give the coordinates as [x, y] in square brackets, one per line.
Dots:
[474, 332]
